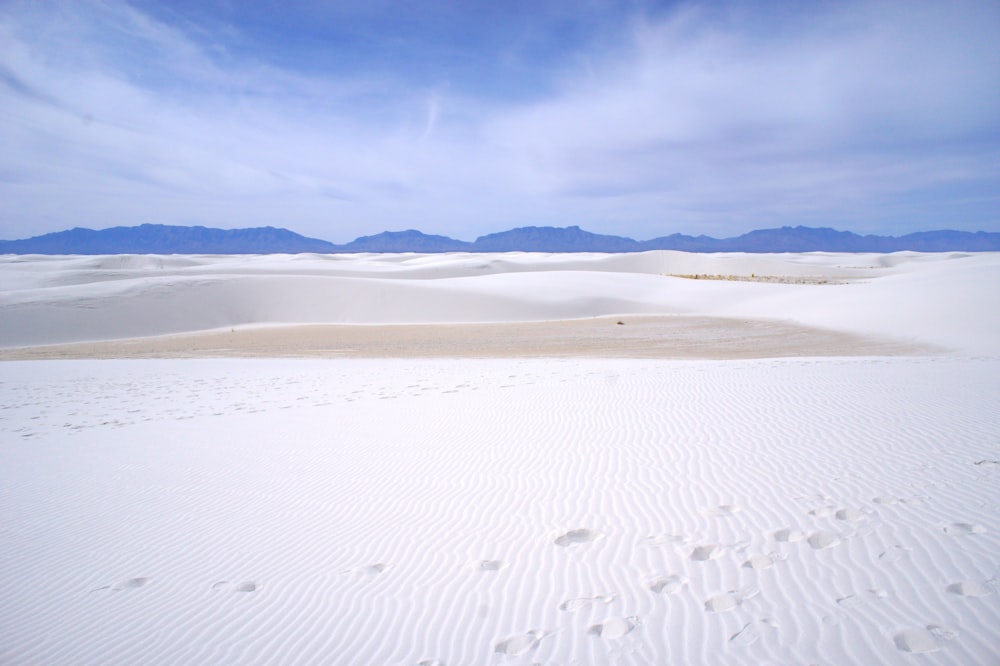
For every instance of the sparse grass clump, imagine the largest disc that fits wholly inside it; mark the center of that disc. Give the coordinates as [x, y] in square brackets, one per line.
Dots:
[775, 279]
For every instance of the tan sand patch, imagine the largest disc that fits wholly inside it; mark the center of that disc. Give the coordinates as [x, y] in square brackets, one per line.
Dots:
[603, 337]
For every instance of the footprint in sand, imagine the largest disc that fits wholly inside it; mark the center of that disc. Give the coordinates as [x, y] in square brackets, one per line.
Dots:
[963, 529]
[577, 536]
[856, 600]
[887, 500]
[614, 627]
[823, 539]
[751, 632]
[489, 565]
[721, 603]
[759, 561]
[823, 512]
[788, 535]
[664, 539]
[246, 586]
[585, 602]
[724, 510]
[730, 600]
[852, 515]
[368, 570]
[969, 588]
[709, 551]
[520, 644]
[130, 584]
[671, 584]
[923, 639]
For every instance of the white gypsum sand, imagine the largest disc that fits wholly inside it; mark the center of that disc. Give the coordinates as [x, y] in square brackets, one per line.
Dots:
[898, 302]
[506, 510]
[367, 511]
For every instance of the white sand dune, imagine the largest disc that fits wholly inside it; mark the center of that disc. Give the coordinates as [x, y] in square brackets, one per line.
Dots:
[903, 297]
[838, 510]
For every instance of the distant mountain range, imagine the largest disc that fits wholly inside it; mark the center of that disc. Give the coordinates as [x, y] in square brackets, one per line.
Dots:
[164, 239]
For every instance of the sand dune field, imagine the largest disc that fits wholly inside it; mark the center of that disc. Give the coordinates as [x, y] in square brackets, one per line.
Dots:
[467, 459]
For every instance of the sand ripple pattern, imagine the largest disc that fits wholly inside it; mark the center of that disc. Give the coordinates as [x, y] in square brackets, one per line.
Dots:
[477, 512]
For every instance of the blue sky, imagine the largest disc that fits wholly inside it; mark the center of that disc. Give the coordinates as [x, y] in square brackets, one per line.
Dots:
[340, 119]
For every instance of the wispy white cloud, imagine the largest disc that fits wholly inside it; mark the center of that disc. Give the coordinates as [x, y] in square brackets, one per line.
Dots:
[844, 108]
[871, 116]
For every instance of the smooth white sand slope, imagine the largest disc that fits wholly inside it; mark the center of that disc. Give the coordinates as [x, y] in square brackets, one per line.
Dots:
[508, 511]
[929, 299]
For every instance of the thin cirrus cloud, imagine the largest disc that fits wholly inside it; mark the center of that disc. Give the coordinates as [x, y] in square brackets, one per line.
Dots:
[840, 114]
[872, 116]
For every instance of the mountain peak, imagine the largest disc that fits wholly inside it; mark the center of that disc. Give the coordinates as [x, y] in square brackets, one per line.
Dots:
[166, 239]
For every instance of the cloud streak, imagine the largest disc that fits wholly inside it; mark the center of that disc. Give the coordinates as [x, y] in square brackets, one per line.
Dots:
[876, 117]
